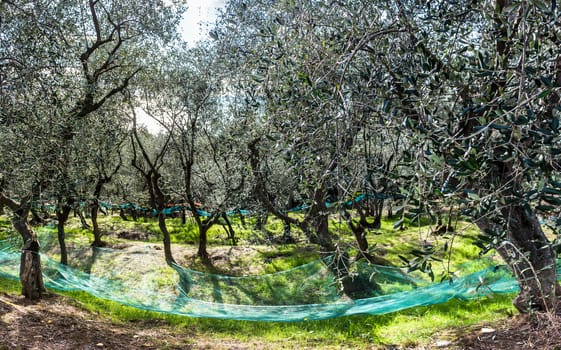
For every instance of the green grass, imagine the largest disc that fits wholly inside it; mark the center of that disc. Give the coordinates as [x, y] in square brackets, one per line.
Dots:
[287, 257]
[411, 326]
[5, 227]
[10, 286]
[406, 327]
[414, 326]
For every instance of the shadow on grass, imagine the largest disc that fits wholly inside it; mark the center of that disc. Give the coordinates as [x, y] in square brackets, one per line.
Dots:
[410, 326]
[415, 324]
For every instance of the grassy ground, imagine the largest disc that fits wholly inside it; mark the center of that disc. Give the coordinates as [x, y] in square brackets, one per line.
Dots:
[417, 326]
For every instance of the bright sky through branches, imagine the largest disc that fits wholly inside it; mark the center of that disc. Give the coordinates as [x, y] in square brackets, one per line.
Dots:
[193, 27]
[200, 13]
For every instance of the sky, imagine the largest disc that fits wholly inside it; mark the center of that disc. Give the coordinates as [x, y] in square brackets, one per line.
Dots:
[199, 12]
[192, 29]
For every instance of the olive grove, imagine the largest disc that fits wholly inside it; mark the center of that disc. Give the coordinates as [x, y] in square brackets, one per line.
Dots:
[424, 108]
[469, 92]
[60, 62]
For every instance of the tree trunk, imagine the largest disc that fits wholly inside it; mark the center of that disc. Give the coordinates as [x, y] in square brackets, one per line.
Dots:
[287, 234]
[83, 221]
[183, 217]
[376, 224]
[319, 219]
[202, 252]
[134, 214]
[96, 231]
[390, 210]
[338, 260]
[36, 219]
[62, 217]
[261, 220]
[360, 237]
[30, 270]
[378, 212]
[230, 229]
[30, 267]
[531, 258]
[354, 287]
[359, 231]
[123, 215]
[242, 218]
[167, 240]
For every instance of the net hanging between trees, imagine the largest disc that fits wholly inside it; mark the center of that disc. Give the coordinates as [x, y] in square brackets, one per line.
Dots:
[307, 292]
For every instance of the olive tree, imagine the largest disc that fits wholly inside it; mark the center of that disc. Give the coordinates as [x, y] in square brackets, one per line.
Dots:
[61, 61]
[185, 101]
[307, 113]
[469, 89]
[476, 90]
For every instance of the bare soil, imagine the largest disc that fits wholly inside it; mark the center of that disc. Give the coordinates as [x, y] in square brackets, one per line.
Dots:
[57, 322]
[536, 331]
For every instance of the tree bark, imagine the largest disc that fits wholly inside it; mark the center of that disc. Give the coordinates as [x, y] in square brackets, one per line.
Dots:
[230, 229]
[30, 270]
[62, 217]
[529, 254]
[95, 225]
[359, 231]
[319, 219]
[31, 277]
[83, 221]
[203, 241]
[167, 240]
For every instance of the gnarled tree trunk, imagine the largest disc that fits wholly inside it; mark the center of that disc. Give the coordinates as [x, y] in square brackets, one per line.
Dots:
[531, 257]
[31, 277]
[95, 225]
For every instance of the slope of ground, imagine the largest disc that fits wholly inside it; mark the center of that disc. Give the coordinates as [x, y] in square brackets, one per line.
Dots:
[62, 322]
[57, 323]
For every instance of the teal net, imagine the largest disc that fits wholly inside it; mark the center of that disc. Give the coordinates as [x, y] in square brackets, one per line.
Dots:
[140, 279]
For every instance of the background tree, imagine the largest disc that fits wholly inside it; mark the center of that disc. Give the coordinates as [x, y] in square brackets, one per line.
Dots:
[149, 162]
[106, 134]
[185, 102]
[44, 101]
[307, 111]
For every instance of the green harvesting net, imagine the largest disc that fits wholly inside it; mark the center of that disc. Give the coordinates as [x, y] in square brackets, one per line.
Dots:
[137, 277]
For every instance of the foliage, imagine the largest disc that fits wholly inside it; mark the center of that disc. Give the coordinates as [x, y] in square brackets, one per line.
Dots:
[437, 110]
[464, 93]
